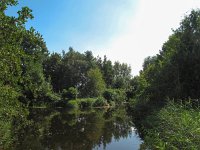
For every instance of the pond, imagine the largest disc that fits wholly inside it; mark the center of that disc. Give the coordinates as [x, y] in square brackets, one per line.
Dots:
[94, 129]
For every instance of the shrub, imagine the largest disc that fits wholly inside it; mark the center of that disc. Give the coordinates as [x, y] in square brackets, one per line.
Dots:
[109, 94]
[71, 93]
[100, 101]
[120, 96]
[64, 94]
[116, 95]
[73, 104]
[112, 104]
[48, 98]
[86, 103]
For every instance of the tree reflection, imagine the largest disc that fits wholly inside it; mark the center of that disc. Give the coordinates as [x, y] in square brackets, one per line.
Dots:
[75, 129]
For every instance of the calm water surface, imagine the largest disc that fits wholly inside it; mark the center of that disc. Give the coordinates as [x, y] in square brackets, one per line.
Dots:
[95, 129]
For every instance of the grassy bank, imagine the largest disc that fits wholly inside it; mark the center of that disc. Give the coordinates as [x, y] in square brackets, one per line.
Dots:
[175, 126]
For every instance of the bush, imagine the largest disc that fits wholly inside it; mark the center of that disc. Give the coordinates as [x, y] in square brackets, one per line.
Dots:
[115, 95]
[100, 102]
[120, 96]
[73, 104]
[47, 99]
[112, 104]
[86, 103]
[70, 94]
[109, 94]
[64, 94]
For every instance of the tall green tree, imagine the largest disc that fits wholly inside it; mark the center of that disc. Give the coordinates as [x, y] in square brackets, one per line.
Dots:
[53, 69]
[122, 75]
[108, 72]
[95, 84]
[12, 33]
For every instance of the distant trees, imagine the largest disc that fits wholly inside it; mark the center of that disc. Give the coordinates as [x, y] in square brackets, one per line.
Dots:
[85, 72]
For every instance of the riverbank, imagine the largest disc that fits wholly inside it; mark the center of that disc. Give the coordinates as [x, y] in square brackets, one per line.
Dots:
[174, 126]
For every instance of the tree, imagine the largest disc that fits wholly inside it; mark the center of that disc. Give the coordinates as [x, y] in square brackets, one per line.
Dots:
[95, 84]
[53, 70]
[122, 75]
[12, 54]
[74, 69]
[108, 72]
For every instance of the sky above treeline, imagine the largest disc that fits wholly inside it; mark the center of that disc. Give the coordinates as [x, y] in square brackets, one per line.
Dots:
[123, 30]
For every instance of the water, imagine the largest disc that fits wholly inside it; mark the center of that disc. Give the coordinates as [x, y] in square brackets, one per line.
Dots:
[95, 129]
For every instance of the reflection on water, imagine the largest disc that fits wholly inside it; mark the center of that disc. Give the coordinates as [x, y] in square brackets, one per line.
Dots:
[97, 129]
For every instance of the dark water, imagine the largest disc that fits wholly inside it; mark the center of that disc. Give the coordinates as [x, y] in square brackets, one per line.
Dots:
[96, 129]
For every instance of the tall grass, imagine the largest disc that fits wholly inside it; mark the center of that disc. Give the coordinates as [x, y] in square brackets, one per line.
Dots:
[176, 126]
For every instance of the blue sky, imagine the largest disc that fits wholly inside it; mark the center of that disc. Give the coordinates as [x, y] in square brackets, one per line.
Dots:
[124, 30]
[77, 23]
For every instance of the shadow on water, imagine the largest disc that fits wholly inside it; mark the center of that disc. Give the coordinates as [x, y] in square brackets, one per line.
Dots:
[94, 129]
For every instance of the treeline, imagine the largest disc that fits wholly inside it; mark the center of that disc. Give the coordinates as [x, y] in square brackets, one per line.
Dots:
[171, 81]
[77, 77]
[88, 74]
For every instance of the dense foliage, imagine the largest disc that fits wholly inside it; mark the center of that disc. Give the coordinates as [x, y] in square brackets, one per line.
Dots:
[21, 78]
[173, 74]
[89, 74]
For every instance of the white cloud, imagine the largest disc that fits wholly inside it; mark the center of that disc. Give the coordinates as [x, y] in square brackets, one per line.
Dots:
[147, 29]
